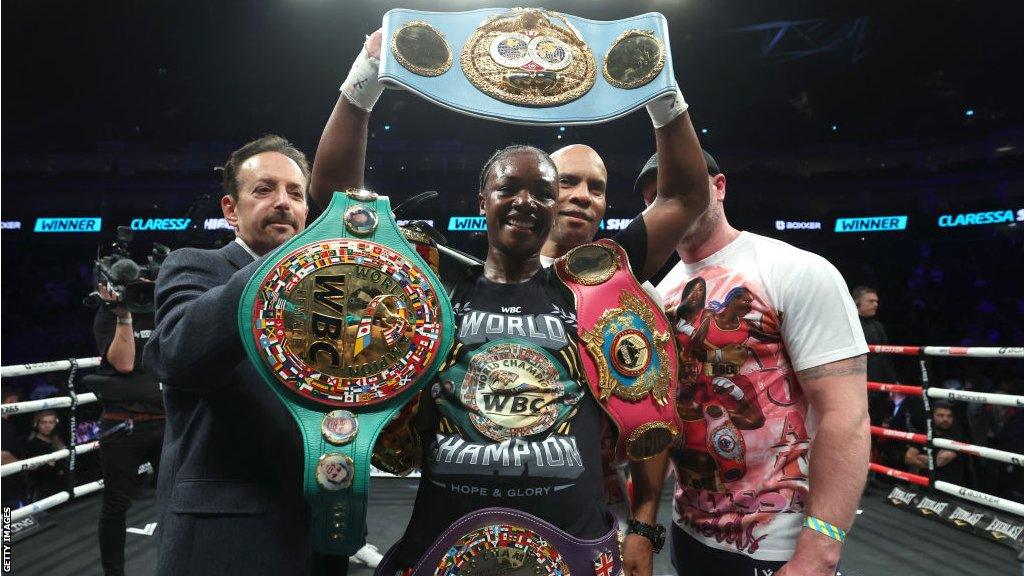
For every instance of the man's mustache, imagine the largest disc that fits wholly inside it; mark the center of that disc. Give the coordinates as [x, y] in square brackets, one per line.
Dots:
[281, 218]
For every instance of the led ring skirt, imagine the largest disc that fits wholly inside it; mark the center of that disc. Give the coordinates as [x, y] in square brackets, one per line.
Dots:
[995, 518]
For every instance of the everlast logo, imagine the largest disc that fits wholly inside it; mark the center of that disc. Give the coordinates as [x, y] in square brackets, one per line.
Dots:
[962, 517]
[928, 506]
[899, 497]
[1000, 530]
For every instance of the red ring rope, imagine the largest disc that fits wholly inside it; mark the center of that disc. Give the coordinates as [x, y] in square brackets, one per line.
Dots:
[905, 476]
[899, 435]
[901, 388]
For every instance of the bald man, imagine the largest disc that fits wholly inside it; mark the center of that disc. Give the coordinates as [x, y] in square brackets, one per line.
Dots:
[582, 181]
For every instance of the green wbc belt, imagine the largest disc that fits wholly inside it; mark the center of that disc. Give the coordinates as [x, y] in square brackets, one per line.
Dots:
[345, 322]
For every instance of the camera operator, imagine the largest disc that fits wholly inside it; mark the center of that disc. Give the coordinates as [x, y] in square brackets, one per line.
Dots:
[132, 428]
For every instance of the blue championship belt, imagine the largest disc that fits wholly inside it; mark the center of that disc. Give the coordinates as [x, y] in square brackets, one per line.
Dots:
[527, 65]
[346, 322]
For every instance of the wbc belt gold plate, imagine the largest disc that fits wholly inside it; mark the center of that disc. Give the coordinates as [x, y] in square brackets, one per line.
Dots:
[347, 322]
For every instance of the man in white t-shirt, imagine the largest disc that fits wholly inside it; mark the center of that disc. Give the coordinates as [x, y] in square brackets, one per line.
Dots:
[773, 400]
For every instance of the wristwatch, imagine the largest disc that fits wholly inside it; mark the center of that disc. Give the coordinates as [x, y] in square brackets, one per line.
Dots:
[655, 533]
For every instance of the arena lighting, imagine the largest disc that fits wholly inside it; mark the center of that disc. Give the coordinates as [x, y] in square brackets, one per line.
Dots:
[561, 128]
[969, 112]
[68, 224]
[703, 130]
[387, 127]
[871, 224]
[834, 127]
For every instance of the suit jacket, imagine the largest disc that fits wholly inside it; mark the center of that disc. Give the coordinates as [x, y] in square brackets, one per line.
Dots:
[230, 487]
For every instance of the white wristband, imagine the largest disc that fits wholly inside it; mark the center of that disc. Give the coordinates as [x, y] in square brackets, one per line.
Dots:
[666, 108]
[734, 391]
[361, 87]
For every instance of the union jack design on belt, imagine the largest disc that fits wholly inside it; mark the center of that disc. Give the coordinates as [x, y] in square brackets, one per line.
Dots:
[604, 564]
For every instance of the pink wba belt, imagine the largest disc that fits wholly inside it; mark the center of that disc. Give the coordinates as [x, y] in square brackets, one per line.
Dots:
[627, 348]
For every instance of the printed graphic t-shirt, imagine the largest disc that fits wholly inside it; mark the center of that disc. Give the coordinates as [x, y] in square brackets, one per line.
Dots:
[513, 423]
[747, 319]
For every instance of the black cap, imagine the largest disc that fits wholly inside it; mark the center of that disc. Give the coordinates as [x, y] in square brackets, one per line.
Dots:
[651, 167]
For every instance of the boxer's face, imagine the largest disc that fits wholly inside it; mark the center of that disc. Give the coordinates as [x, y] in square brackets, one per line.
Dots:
[582, 181]
[271, 204]
[742, 304]
[519, 201]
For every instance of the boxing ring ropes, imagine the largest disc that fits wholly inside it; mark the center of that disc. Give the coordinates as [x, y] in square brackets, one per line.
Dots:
[928, 441]
[73, 400]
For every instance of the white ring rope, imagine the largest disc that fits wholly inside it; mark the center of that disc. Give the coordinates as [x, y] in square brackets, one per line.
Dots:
[51, 501]
[977, 397]
[975, 351]
[37, 461]
[980, 498]
[41, 367]
[955, 351]
[46, 404]
[979, 451]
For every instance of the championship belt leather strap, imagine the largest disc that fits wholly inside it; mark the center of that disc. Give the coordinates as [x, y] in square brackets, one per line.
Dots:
[528, 65]
[626, 347]
[346, 323]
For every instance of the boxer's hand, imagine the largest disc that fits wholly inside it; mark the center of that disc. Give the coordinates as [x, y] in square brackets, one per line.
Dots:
[735, 354]
[666, 108]
[637, 556]
[361, 87]
[372, 43]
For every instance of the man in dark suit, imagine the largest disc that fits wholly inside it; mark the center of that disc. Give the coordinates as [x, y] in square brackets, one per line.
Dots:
[230, 487]
[880, 366]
